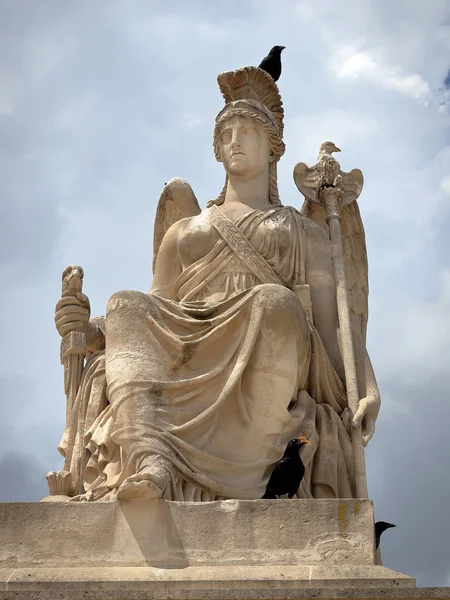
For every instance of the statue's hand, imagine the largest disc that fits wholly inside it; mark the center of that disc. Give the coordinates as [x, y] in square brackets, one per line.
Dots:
[366, 415]
[72, 314]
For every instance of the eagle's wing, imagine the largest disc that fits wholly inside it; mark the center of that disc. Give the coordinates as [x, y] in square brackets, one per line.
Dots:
[177, 201]
[307, 179]
[351, 184]
[355, 258]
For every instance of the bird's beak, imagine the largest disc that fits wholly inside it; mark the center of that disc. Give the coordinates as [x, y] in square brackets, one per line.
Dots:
[304, 440]
[336, 149]
[283, 47]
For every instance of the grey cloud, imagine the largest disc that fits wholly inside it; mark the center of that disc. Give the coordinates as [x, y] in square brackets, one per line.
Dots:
[408, 478]
[15, 396]
[26, 445]
[447, 80]
[22, 478]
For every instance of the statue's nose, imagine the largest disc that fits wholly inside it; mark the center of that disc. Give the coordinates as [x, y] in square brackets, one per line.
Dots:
[235, 145]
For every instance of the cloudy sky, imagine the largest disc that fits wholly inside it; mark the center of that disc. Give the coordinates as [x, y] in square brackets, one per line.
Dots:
[101, 102]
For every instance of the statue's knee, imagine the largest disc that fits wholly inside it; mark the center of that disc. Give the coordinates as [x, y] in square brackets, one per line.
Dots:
[126, 299]
[283, 311]
[278, 299]
[117, 301]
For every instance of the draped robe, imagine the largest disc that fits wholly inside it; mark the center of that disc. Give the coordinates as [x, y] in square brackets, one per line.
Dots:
[216, 382]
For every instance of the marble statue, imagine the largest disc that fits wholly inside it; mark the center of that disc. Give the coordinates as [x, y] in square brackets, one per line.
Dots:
[191, 392]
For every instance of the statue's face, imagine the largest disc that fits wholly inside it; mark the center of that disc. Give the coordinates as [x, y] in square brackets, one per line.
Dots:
[244, 147]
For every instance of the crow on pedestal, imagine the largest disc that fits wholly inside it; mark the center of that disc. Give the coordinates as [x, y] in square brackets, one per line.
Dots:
[288, 472]
[381, 526]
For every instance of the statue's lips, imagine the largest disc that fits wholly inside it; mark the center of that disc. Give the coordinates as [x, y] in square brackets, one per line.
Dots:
[237, 154]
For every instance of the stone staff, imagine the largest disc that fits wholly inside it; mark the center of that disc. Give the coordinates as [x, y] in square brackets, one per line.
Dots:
[72, 354]
[332, 198]
[325, 185]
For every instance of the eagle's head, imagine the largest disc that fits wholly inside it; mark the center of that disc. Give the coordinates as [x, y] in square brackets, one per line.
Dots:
[328, 148]
[72, 278]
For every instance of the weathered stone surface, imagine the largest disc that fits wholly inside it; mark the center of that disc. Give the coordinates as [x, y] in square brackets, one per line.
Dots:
[137, 550]
[358, 576]
[203, 583]
[177, 534]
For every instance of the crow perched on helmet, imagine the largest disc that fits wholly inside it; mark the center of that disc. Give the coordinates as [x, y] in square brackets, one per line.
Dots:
[272, 62]
[288, 472]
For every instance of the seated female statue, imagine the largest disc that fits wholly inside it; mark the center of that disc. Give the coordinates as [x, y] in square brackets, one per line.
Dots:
[233, 352]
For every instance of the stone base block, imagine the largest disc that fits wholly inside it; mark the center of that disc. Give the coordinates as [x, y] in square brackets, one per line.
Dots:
[137, 550]
[141, 533]
[212, 583]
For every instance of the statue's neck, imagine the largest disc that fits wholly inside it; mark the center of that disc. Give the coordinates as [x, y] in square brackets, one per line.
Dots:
[251, 192]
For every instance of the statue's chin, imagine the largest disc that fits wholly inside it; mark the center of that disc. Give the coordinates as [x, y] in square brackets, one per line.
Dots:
[238, 171]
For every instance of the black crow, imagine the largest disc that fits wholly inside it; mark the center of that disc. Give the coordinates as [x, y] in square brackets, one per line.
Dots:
[272, 62]
[381, 526]
[288, 472]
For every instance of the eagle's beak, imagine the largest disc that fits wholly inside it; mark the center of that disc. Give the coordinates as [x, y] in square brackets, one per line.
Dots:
[304, 440]
[336, 149]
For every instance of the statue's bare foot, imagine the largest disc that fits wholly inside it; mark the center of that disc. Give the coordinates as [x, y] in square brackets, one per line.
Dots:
[139, 486]
[149, 483]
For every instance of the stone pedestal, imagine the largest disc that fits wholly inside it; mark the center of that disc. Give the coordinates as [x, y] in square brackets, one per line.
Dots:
[232, 549]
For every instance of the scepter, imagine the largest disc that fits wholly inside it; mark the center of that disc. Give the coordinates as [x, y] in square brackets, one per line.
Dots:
[322, 184]
[72, 354]
[332, 199]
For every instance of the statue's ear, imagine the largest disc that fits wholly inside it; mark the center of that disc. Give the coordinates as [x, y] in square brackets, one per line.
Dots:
[271, 157]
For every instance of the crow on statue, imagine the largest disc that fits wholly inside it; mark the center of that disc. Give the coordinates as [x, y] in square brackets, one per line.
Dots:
[288, 472]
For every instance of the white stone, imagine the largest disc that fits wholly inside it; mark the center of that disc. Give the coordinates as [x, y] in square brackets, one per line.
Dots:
[178, 534]
[235, 350]
[137, 550]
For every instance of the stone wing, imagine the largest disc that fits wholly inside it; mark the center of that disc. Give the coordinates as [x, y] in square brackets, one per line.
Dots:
[177, 201]
[351, 184]
[307, 180]
[355, 257]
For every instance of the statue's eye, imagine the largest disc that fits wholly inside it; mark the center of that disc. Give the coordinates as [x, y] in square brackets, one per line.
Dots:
[225, 136]
[250, 131]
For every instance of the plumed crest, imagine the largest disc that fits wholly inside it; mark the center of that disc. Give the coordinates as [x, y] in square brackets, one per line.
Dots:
[177, 201]
[252, 83]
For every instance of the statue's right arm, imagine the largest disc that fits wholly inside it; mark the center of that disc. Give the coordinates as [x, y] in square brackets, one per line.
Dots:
[72, 314]
[168, 264]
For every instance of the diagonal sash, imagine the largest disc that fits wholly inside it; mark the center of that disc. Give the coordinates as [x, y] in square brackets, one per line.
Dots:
[250, 256]
[242, 246]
